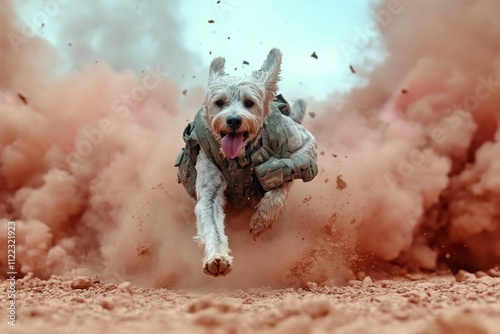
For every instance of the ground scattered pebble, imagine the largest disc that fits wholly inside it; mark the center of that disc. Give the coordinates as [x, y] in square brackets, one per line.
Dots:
[81, 282]
[463, 275]
[431, 304]
[107, 304]
[126, 287]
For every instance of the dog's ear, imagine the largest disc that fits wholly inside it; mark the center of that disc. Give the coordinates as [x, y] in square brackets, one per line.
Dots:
[268, 75]
[216, 68]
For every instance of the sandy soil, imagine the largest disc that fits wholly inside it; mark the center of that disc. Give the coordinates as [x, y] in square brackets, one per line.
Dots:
[414, 303]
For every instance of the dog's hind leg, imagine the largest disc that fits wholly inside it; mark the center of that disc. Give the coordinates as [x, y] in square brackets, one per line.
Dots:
[209, 210]
[298, 111]
[269, 210]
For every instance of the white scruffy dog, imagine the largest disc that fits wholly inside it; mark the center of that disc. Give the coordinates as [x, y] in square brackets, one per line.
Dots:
[236, 120]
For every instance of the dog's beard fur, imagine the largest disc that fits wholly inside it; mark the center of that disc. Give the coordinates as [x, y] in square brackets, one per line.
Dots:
[248, 98]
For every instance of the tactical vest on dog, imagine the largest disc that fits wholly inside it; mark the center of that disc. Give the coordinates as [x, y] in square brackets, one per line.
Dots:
[247, 177]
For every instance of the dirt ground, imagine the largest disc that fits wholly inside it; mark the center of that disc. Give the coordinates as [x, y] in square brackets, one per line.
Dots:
[414, 303]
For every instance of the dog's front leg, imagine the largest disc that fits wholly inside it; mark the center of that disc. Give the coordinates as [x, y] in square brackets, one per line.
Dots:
[269, 210]
[209, 210]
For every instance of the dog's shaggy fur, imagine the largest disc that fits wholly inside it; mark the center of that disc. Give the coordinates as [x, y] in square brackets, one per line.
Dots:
[239, 107]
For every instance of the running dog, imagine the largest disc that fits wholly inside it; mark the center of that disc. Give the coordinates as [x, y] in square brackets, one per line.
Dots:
[244, 147]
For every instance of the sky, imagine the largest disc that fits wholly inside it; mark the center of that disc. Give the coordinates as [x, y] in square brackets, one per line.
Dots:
[242, 30]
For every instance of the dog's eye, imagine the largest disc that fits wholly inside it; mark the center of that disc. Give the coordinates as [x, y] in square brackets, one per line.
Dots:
[219, 103]
[248, 104]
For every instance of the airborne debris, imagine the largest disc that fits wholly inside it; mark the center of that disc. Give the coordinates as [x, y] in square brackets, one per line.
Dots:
[184, 92]
[211, 21]
[341, 183]
[314, 55]
[352, 69]
[22, 98]
[245, 62]
[404, 91]
[312, 114]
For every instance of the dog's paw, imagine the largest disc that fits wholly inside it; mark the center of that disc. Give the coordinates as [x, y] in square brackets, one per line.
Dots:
[217, 267]
[259, 226]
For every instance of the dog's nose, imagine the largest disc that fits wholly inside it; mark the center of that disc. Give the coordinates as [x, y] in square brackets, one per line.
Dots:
[233, 122]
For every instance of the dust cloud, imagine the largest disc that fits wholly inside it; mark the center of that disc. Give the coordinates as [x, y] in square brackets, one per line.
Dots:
[86, 160]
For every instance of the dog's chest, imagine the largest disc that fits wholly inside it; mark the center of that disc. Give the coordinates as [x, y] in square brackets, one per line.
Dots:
[242, 184]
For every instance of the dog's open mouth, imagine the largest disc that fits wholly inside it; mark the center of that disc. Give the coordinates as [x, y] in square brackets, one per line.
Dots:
[232, 143]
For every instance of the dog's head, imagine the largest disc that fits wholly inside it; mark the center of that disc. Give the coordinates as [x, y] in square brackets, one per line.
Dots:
[235, 109]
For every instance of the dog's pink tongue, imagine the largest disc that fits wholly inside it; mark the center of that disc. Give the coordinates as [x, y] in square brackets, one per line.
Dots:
[232, 143]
